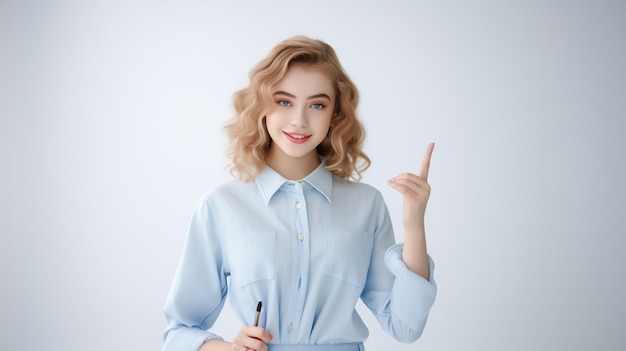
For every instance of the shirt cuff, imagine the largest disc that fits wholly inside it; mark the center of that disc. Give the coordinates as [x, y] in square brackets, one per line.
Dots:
[187, 338]
[412, 295]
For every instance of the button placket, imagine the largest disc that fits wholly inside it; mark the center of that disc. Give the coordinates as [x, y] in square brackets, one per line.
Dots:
[301, 253]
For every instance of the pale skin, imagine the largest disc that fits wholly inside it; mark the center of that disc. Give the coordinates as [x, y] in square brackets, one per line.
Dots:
[297, 122]
[416, 191]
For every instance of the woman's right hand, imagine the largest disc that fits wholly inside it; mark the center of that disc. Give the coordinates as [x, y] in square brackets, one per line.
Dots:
[252, 339]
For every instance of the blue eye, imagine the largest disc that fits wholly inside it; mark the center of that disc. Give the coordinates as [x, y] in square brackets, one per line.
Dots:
[284, 103]
[317, 106]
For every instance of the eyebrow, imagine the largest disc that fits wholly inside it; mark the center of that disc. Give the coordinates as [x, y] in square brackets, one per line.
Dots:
[321, 95]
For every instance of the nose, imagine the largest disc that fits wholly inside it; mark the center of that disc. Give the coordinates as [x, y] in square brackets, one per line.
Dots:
[299, 118]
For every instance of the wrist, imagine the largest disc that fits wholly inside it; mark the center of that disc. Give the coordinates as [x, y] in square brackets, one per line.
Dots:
[415, 229]
[216, 345]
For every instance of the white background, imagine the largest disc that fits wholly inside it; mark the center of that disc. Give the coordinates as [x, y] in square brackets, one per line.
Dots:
[111, 116]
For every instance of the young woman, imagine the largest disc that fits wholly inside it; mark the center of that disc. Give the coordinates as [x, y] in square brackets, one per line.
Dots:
[296, 230]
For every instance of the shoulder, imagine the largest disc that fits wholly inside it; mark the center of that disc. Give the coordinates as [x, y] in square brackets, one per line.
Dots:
[355, 190]
[350, 185]
[228, 191]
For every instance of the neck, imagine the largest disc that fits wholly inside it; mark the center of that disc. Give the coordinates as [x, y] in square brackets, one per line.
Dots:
[292, 168]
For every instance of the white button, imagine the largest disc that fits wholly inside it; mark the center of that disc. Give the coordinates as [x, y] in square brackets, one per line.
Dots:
[290, 328]
[300, 236]
[298, 205]
[297, 186]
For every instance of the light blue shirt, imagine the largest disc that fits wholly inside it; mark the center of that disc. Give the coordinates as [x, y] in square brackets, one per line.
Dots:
[308, 250]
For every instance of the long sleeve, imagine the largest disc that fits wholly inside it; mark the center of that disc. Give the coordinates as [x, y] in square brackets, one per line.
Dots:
[412, 296]
[399, 298]
[199, 289]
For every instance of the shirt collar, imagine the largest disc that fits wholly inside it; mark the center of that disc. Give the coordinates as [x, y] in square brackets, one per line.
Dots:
[269, 181]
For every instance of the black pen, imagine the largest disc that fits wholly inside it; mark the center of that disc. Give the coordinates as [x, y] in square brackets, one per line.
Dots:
[258, 314]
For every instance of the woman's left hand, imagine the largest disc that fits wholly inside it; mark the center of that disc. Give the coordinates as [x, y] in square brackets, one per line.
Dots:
[416, 191]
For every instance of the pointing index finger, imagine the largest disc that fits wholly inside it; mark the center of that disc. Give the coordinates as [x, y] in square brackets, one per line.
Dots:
[426, 162]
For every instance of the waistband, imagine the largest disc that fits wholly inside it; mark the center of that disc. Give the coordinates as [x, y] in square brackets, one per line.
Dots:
[357, 346]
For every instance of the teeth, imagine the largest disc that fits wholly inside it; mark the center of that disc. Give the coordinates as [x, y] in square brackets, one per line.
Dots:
[297, 136]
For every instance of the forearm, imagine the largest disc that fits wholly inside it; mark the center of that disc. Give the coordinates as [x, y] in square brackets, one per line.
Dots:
[414, 252]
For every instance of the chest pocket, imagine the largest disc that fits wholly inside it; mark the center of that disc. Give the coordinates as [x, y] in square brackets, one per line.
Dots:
[348, 256]
[252, 257]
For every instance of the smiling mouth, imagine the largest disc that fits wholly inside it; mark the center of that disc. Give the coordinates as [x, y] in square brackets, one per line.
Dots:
[297, 138]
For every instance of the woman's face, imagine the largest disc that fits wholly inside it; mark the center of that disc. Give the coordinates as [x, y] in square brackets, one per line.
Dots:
[299, 118]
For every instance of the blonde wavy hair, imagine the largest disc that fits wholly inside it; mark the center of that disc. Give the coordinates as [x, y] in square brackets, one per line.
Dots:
[249, 141]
